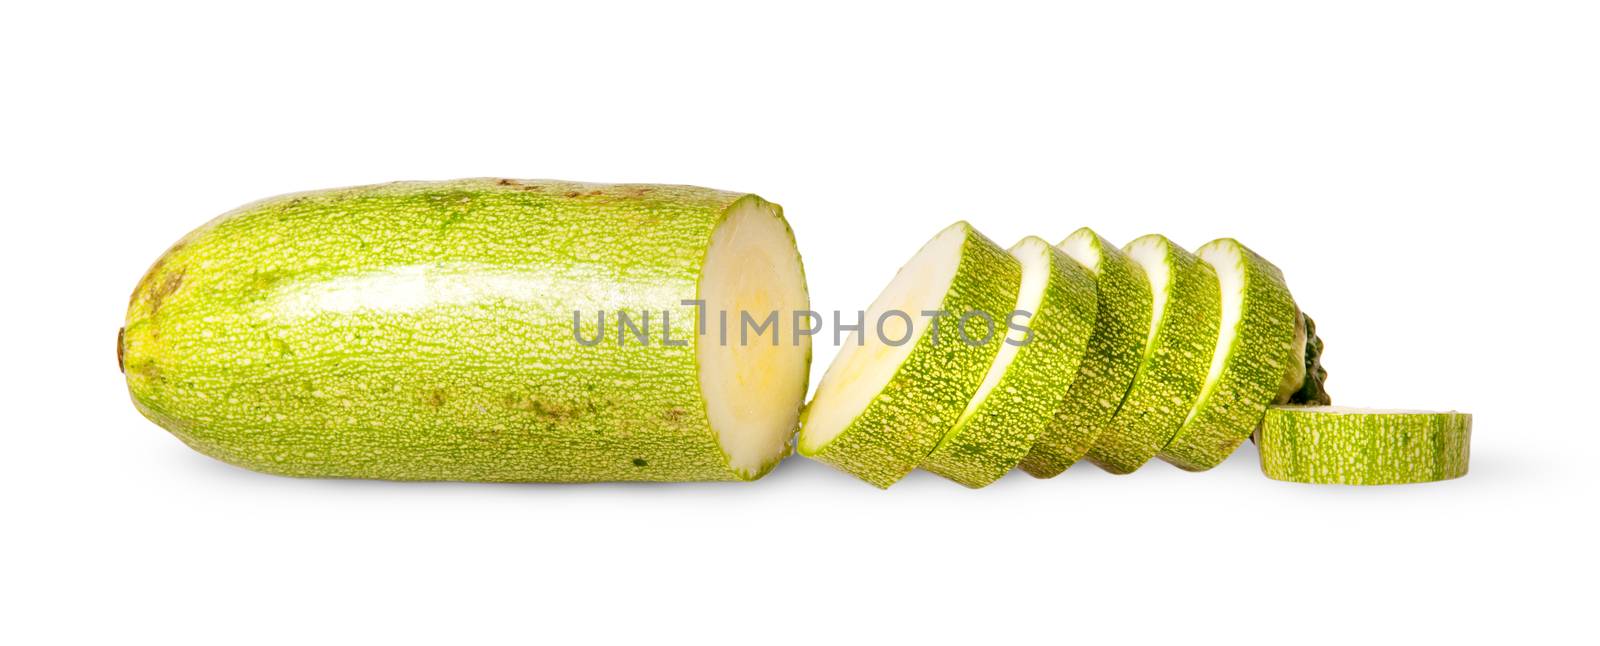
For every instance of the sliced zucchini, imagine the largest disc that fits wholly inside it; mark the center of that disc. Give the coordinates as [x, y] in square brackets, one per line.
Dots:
[1341, 445]
[1116, 347]
[1185, 315]
[1026, 386]
[903, 379]
[1248, 364]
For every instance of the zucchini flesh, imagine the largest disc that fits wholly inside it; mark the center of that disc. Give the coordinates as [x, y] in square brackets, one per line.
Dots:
[1341, 445]
[753, 385]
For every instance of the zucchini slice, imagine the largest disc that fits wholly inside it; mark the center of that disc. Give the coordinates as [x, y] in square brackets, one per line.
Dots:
[1341, 445]
[1185, 315]
[1248, 364]
[905, 377]
[1116, 347]
[1026, 386]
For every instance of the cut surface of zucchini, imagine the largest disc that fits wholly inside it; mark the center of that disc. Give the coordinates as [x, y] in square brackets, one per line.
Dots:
[753, 385]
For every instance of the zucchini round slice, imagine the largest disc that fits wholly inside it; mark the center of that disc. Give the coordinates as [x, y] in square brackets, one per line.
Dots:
[1185, 315]
[1026, 386]
[925, 344]
[1248, 364]
[1340, 445]
[1122, 321]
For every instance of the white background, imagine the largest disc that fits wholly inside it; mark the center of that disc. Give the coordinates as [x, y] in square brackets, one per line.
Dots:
[1424, 173]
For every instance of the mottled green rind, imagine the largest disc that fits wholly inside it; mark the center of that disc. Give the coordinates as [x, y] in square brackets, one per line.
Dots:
[905, 421]
[1174, 368]
[1031, 395]
[1228, 410]
[1310, 444]
[1122, 323]
[254, 341]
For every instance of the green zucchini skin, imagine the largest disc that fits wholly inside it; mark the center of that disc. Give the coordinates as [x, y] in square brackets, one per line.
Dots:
[987, 443]
[1174, 367]
[928, 392]
[424, 331]
[1324, 445]
[1255, 364]
[1115, 348]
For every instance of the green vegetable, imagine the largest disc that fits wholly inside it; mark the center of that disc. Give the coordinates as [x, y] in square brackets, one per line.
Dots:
[1248, 364]
[1306, 381]
[1338, 445]
[1025, 388]
[1185, 316]
[1116, 348]
[883, 406]
[425, 331]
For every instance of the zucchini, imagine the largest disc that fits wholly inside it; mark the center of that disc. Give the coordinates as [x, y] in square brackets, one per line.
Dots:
[1340, 445]
[903, 379]
[436, 331]
[1306, 381]
[1185, 316]
[1116, 347]
[1025, 388]
[1252, 352]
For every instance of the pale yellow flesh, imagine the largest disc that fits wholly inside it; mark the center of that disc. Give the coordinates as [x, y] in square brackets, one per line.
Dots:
[1228, 262]
[866, 363]
[1034, 254]
[1080, 247]
[753, 389]
[1151, 254]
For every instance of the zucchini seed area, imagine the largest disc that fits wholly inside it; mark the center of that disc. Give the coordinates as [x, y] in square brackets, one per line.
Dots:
[868, 361]
[753, 388]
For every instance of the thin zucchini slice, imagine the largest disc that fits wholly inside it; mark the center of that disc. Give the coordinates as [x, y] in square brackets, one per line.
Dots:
[1341, 445]
[1026, 386]
[1116, 347]
[1248, 364]
[1186, 311]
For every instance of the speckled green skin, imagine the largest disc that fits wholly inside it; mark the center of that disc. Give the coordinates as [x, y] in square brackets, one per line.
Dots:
[1229, 410]
[1174, 367]
[1313, 445]
[1122, 322]
[905, 421]
[423, 331]
[1032, 393]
